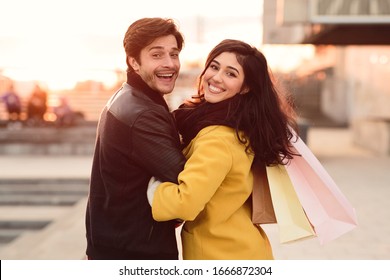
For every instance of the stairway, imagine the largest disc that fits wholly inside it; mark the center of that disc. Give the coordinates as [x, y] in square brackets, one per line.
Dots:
[31, 205]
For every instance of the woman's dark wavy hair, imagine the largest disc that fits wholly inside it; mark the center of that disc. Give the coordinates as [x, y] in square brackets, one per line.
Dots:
[264, 114]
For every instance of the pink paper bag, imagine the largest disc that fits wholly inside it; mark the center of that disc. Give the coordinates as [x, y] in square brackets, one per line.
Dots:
[327, 209]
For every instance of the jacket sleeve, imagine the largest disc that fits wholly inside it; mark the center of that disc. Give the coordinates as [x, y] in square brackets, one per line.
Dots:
[203, 174]
[156, 146]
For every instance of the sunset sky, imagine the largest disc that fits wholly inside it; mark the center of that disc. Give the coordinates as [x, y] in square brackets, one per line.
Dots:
[61, 42]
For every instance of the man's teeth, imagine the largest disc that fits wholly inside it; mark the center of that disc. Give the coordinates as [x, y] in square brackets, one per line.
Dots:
[165, 75]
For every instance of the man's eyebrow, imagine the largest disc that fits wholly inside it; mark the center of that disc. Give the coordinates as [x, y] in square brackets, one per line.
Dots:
[161, 48]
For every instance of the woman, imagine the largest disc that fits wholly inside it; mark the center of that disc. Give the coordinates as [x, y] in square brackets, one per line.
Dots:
[239, 119]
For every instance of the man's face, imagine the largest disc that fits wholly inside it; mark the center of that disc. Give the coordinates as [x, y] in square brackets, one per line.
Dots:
[159, 64]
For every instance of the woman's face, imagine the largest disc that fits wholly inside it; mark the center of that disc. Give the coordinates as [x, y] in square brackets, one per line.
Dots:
[223, 78]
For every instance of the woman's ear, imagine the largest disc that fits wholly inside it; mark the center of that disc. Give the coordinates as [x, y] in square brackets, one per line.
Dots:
[245, 90]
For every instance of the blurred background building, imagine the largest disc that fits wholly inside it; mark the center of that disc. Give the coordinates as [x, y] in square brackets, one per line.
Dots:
[346, 79]
[340, 82]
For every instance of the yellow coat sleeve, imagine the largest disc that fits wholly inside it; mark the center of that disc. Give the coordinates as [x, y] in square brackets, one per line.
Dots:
[206, 168]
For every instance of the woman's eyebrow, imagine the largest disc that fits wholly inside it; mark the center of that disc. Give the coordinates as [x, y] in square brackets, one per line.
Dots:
[230, 67]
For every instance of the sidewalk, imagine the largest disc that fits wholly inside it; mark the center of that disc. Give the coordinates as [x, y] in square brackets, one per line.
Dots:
[362, 176]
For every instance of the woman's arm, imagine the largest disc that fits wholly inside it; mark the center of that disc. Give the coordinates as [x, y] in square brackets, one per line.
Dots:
[203, 174]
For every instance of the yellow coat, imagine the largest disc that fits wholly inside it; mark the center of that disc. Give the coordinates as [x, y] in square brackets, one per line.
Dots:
[212, 197]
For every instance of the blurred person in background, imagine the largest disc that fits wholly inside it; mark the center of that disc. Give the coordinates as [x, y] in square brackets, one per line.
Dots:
[136, 139]
[237, 120]
[13, 106]
[65, 116]
[37, 107]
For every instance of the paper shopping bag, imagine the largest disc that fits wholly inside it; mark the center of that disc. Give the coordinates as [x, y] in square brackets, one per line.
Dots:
[327, 208]
[291, 218]
[262, 208]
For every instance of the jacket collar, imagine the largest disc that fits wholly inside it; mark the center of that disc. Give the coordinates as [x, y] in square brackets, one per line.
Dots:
[134, 80]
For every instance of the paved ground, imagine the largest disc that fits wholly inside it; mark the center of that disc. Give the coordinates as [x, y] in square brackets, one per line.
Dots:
[361, 175]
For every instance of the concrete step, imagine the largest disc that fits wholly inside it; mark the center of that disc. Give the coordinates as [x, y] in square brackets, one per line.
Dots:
[10, 230]
[8, 235]
[42, 191]
[41, 200]
[33, 211]
[62, 239]
[22, 225]
[50, 140]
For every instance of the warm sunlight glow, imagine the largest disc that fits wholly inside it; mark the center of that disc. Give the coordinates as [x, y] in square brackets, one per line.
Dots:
[63, 42]
[285, 58]
[65, 78]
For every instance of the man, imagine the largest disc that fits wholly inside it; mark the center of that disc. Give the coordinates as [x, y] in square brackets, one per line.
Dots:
[136, 139]
[13, 105]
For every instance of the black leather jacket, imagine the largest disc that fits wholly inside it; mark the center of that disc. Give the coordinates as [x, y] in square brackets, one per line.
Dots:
[136, 139]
